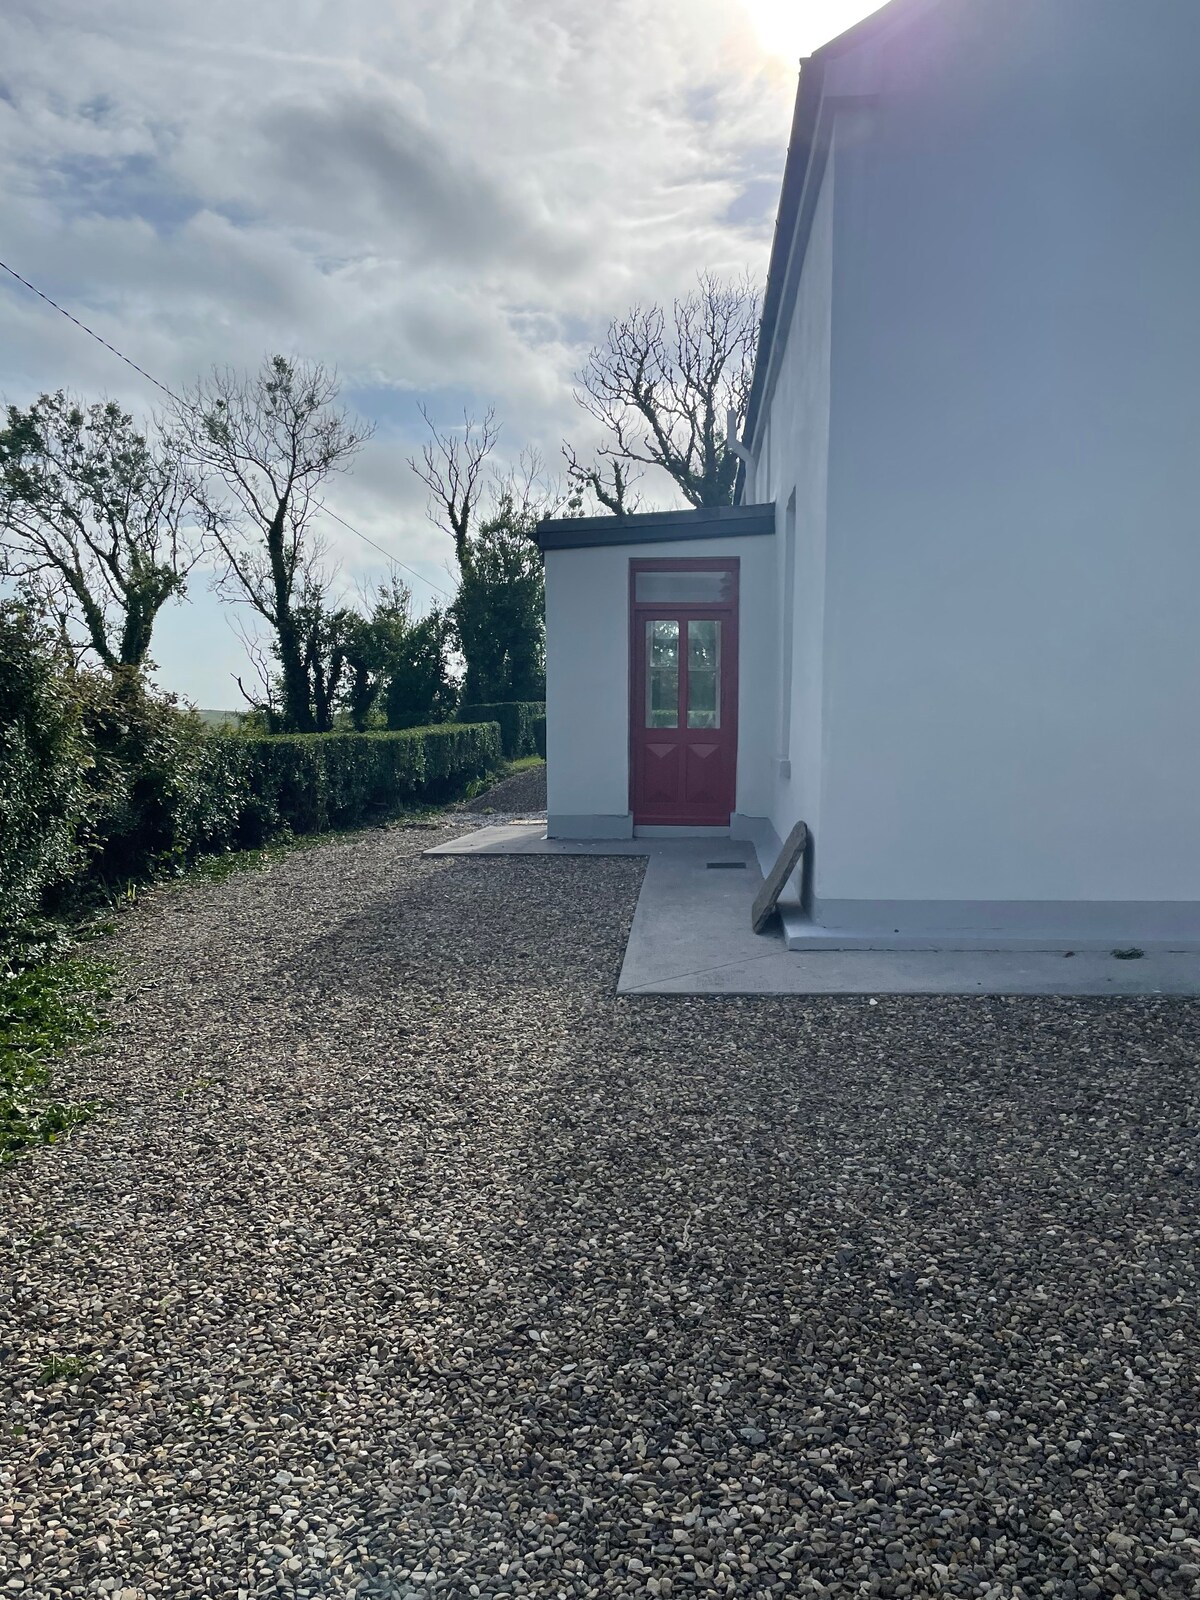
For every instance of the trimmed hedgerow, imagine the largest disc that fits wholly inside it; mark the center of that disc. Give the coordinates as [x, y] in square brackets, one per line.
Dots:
[517, 720]
[161, 789]
[310, 782]
[41, 767]
[103, 784]
[181, 793]
[539, 736]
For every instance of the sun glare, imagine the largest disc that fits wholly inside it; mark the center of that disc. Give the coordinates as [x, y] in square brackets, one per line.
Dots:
[789, 29]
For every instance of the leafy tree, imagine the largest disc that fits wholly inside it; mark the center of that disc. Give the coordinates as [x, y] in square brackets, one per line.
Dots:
[373, 645]
[94, 521]
[663, 385]
[363, 681]
[388, 654]
[499, 612]
[325, 635]
[420, 689]
[354, 659]
[498, 616]
[260, 446]
[606, 482]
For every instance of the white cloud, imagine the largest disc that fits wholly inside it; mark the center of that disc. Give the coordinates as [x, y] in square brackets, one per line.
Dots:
[445, 198]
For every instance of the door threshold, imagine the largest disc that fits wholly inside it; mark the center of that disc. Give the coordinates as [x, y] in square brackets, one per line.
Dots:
[657, 831]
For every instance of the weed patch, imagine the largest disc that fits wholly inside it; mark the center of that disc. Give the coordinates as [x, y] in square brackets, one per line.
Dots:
[65, 1369]
[44, 1009]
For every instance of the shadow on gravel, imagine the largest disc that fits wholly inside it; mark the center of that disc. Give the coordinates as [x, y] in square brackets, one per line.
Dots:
[463, 1276]
[762, 1293]
[521, 792]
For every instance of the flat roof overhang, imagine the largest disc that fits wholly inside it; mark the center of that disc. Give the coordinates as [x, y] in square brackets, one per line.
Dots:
[655, 527]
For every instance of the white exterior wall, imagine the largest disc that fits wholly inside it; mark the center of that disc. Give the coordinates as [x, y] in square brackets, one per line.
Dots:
[793, 461]
[1010, 662]
[587, 673]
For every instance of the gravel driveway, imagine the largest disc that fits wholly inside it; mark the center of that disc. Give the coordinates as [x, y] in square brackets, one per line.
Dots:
[523, 794]
[408, 1261]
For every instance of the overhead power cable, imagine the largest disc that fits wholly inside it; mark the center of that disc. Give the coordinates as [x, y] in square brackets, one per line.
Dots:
[395, 559]
[91, 332]
[150, 378]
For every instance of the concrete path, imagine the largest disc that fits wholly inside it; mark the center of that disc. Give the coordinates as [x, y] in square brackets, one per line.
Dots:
[691, 935]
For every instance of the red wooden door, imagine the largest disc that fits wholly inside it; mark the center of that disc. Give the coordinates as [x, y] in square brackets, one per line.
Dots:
[683, 702]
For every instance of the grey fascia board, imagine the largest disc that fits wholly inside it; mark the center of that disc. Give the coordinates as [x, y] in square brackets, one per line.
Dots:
[784, 244]
[801, 174]
[656, 527]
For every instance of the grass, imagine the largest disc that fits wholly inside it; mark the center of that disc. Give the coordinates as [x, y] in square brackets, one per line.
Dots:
[221, 719]
[218, 868]
[63, 1369]
[523, 764]
[46, 1006]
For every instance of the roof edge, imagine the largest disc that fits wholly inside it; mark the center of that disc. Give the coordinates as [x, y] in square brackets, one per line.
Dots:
[795, 173]
[656, 527]
[797, 167]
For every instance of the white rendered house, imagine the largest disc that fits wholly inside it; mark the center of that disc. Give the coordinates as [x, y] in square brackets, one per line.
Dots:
[953, 622]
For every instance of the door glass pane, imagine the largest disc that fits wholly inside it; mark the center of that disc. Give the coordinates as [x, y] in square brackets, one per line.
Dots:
[699, 588]
[704, 674]
[662, 674]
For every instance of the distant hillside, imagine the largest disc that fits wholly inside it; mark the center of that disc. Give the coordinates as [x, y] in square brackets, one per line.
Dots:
[221, 719]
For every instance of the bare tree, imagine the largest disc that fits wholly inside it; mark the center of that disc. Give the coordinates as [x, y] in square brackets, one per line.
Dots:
[662, 386]
[451, 468]
[94, 521]
[526, 490]
[262, 697]
[607, 480]
[326, 634]
[260, 446]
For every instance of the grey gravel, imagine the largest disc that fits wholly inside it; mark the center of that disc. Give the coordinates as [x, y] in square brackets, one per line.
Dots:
[408, 1261]
[523, 794]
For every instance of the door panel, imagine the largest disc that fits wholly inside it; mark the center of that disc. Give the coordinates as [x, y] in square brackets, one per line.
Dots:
[683, 693]
[704, 776]
[661, 774]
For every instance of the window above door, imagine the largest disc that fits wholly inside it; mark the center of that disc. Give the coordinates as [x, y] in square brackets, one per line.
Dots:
[683, 586]
[673, 584]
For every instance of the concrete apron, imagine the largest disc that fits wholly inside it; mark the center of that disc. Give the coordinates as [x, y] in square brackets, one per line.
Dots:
[691, 935]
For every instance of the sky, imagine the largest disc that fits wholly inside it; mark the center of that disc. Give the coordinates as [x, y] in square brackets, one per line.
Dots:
[447, 200]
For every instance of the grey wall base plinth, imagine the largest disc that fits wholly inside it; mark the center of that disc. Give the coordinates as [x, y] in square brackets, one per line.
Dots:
[1056, 926]
[587, 826]
[760, 832]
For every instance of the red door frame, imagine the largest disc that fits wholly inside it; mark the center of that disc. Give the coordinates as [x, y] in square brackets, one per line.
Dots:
[728, 612]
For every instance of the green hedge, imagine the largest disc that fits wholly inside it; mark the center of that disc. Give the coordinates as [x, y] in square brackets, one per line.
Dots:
[229, 791]
[310, 782]
[102, 783]
[41, 767]
[160, 789]
[518, 724]
[539, 736]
